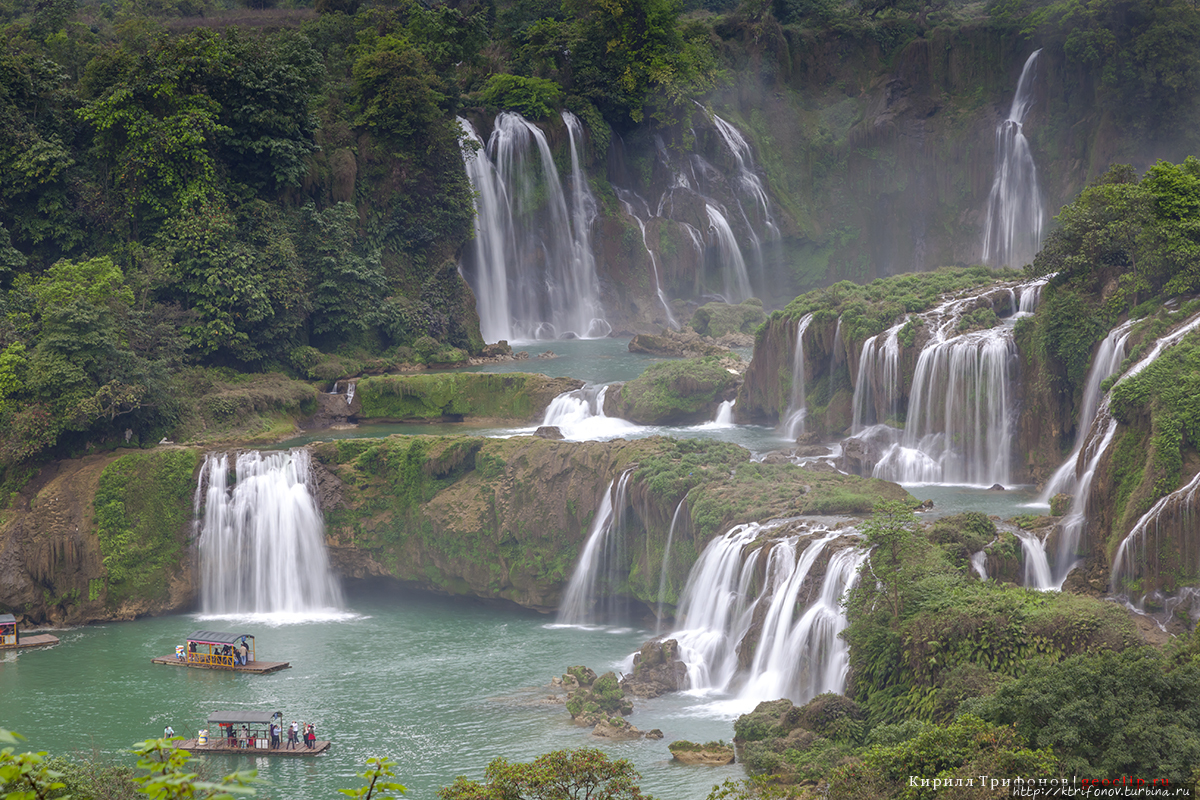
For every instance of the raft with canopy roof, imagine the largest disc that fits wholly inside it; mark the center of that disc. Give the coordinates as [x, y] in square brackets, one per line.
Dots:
[234, 652]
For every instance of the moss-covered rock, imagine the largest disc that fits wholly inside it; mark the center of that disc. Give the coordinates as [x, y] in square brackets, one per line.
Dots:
[709, 753]
[718, 319]
[674, 392]
[512, 396]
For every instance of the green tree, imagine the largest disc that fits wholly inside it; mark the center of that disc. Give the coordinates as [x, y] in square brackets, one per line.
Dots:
[583, 774]
[379, 784]
[890, 535]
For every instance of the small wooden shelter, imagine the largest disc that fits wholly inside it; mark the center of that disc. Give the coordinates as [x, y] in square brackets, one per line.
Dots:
[11, 638]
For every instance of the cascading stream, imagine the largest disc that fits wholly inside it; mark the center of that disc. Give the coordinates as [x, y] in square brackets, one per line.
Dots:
[1108, 359]
[1013, 231]
[262, 543]
[1103, 431]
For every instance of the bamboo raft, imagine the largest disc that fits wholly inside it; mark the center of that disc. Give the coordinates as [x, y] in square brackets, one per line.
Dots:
[32, 640]
[253, 667]
[222, 747]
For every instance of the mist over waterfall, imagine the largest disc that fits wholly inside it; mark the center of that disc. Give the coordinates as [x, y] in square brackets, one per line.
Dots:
[531, 266]
[780, 600]
[262, 541]
[1012, 232]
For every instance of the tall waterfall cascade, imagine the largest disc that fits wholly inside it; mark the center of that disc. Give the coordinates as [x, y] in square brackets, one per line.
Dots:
[628, 200]
[735, 278]
[733, 584]
[261, 542]
[1106, 362]
[961, 414]
[1173, 515]
[1012, 232]
[1100, 438]
[793, 423]
[594, 591]
[531, 266]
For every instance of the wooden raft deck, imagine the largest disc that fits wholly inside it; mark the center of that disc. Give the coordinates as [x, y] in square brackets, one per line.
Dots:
[34, 640]
[254, 667]
[221, 747]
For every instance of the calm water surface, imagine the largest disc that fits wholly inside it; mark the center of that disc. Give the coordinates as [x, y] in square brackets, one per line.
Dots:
[442, 686]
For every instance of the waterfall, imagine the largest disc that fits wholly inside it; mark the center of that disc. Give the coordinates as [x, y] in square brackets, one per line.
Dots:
[959, 416]
[1013, 230]
[262, 543]
[491, 246]
[1029, 296]
[797, 410]
[579, 415]
[1176, 513]
[877, 390]
[724, 417]
[1108, 359]
[736, 281]
[662, 298]
[1037, 574]
[979, 564]
[603, 565]
[1103, 430]
[666, 560]
[531, 267]
[799, 653]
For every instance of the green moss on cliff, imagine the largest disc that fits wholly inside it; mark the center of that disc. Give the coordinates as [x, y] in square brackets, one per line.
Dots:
[512, 396]
[143, 505]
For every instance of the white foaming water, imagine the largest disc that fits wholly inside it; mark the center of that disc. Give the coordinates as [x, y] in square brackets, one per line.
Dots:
[1013, 231]
[1037, 574]
[793, 423]
[799, 653]
[532, 267]
[595, 583]
[1104, 429]
[979, 564]
[724, 417]
[735, 279]
[580, 416]
[877, 389]
[1108, 359]
[262, 544]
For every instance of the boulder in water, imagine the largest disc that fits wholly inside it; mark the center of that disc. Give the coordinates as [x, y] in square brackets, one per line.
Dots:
[548, 432]
[596, 700]
[657, 669]
[995, 487]
[618, 730]
[676, 344]
[712, 753]
[1059, 504]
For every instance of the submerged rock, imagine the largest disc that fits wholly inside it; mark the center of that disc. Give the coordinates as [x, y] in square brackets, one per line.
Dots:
[712, 754]
[548, 432]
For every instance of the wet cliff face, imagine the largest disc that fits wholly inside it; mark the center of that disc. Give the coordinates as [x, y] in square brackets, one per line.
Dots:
[52, 557]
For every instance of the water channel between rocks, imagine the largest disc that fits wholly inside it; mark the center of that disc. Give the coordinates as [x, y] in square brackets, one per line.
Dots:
[441, 685]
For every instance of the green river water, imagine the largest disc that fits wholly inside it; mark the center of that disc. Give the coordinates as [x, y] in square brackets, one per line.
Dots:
[442, 686]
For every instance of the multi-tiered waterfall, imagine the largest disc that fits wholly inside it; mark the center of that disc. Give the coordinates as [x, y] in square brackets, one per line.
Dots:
[1012, 232]
[1100, 438]
[531, 267]
[960, 416]
[262, 543]
[737, 591]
